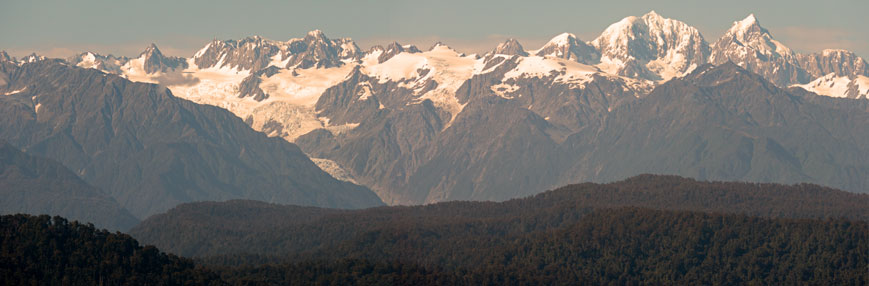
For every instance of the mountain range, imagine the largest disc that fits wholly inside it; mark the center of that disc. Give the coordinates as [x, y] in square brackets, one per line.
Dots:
[149, 150]
[649, 95]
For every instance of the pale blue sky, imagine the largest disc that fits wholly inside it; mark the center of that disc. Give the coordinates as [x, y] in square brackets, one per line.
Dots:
[179, 27]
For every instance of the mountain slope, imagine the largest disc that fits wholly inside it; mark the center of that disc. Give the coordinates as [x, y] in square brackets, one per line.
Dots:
[838, 62]
[151, 150]
[36, 185]
[725, 123]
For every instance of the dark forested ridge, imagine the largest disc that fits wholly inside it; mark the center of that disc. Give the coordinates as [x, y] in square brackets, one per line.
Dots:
[623, 246]
[206, 229]
[661, 230]
[41, 250]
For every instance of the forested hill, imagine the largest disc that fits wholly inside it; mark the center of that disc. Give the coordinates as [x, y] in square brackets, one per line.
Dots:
[624, 246]
[205, 229]
[44, 250]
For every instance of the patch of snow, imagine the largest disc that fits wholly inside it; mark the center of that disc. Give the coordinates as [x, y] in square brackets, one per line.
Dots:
[863, 86]
[610, 65]
[278, 61]
[15, 91]
[450, 70]
[400, 67]
[333, 169]
[441, 64]
[303, 87]
[502, 90]
[838, 86]
[283, 119]
[134, 70]
[565, 71]
[216, 86]
[365, 93]
[371, 58]
[88, 61]
[339, 129]
[202, 51]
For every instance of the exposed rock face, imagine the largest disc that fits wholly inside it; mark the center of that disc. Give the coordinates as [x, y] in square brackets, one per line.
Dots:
[511, 47]
[252, 53]
[391, 50]
[153, 61]
[316, 50]
[250, 86]
[838, 62]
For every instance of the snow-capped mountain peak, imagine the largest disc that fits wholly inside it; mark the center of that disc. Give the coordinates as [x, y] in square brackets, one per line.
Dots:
[153, 61]
[651, 47]
[317, 34]
[751, 46]
[151, 53]
[439, 44]
[749, 33]
[563, 39]
[510, 47]
[317, 37]
[749, 22]
[567, 46]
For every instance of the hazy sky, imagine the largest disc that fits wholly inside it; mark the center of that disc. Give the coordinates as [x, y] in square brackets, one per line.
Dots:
[60, 28]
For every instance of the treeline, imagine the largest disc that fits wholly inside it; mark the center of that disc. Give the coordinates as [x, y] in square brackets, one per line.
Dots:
[623, 246]
[273, 231]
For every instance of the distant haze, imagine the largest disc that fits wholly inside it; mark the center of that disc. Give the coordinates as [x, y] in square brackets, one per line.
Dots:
[60, 28]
